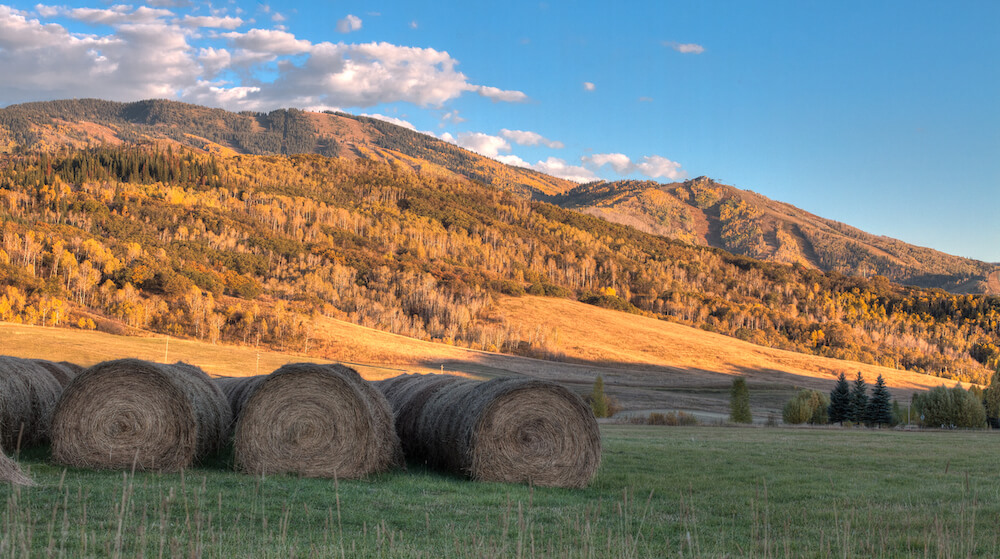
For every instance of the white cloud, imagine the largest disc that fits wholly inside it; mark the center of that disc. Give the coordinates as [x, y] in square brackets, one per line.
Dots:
[362, 75]
[528, 138]
[414, 24]
[496, 94]
[270, 41]
[452, 117]
[685, 48]
[483, 144]
[656, 167]
[393, 120]
[117, 15]
[169, 3]
[348, 24]
[559, 168]
[589, 86]
[277, 17]
[653, 166]
[620, 162]
[214, 60]
[145, 57]
[225, 22]
[47, 11]
[512, 160]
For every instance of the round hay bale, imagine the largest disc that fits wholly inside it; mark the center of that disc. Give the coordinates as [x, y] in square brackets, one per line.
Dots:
[28, 394]
[236, 390]
[407, 395]
[505, 430]
[62, 371]
[313, 420]
[130, 413]
[76, 369]
[11, 473]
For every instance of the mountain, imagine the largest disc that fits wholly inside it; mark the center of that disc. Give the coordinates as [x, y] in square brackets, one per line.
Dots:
[165, 226]
[700, 211]
[84, 122]
[704, 212]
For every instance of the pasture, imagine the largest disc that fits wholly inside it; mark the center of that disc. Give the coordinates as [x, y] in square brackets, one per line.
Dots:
[661, 491]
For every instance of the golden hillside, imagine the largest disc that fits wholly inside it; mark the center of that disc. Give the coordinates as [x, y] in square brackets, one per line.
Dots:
[647, 364]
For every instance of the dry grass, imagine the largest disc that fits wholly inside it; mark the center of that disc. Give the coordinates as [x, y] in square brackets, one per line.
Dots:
[592, 334]
[648, 365]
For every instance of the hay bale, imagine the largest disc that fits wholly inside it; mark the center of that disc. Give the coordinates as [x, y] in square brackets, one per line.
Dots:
[407, 395]
[130, 413]
[313, 420]
[28, 394]
[62, 371]
[11, 473]
[506, 430]
[76, 369]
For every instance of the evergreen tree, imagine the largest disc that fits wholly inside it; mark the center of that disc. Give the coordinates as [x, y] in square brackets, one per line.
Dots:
[597, 399]
[879, 410]
[739, 402]
[840, 401]
[991, 400]
[859, 400]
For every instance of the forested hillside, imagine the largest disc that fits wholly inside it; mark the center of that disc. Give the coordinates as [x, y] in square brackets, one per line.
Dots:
[704, 212]
[698, 211]
[250, 248]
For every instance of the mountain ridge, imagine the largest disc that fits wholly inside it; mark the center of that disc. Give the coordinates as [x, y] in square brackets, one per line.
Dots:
[83, 122]
[699, 211]
[704, 212]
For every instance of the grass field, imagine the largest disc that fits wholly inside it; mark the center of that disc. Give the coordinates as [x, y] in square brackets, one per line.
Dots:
[679, 492]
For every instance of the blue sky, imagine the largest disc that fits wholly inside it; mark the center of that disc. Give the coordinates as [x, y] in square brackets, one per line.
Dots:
[883, 115]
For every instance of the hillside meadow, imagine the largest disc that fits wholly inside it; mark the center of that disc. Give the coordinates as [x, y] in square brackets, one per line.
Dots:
[682, 491]
[649, 365]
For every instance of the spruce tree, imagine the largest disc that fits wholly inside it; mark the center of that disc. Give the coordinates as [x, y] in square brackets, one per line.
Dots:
[879, 410]
[991, 400]
[859, 400]
[739, 402]
[840, 401]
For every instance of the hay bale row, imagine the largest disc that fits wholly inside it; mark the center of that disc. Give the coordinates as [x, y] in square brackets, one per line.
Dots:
[313, 420]
[504, 430]
[129, 413]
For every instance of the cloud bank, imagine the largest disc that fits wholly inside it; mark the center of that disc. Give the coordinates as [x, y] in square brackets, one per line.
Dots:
[160, 53]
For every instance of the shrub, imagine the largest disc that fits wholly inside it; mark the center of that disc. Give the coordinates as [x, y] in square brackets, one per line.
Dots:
[739, 402]
[807, 406]
[598, 400]
[949, 408]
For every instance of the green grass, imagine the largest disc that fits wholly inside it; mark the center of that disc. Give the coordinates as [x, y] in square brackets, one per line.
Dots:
[661, 491]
